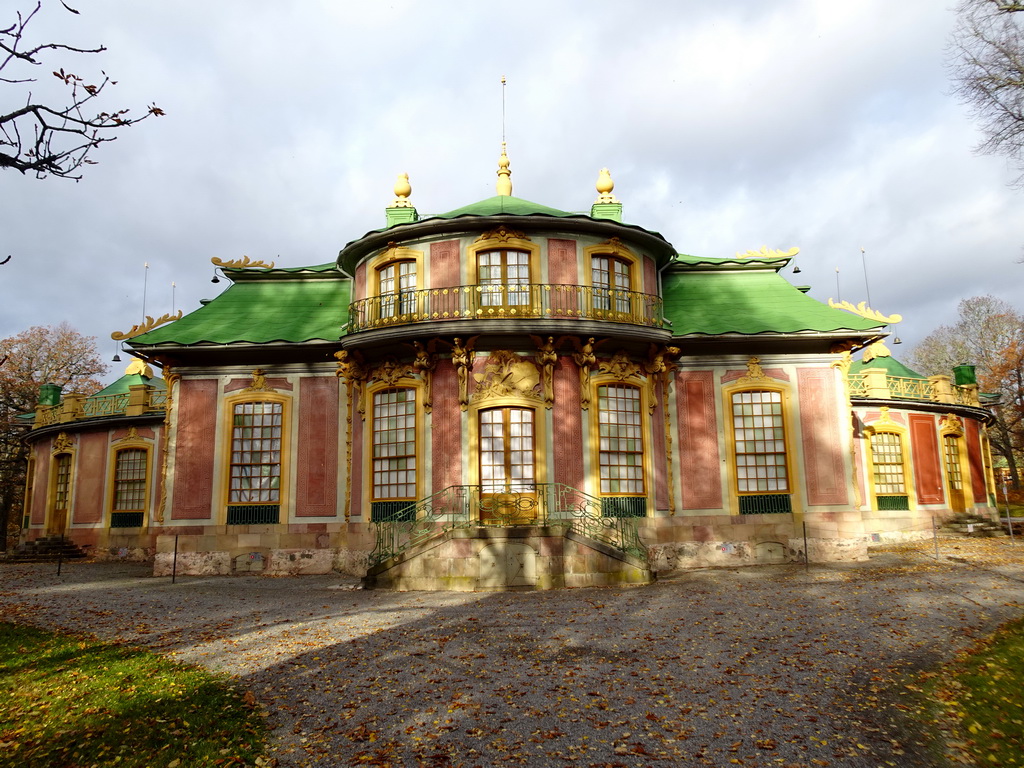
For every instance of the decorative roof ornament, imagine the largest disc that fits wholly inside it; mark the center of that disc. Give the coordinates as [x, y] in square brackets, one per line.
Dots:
[402, 191]
[863, 310]
[878, 349]
[605, 185]
[243, 263]
[146, 327]
[137, 366]
[504, 185]
[767, 253]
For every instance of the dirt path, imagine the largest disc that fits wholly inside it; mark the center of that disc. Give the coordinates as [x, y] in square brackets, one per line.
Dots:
[758, 666]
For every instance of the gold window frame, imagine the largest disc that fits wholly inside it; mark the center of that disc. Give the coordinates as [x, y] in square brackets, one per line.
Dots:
[227, 437]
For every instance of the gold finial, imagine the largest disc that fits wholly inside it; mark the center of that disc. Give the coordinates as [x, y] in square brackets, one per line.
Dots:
[878, 349]
[138, 366]
[504, 185]
[402, 191]
[605, 185]
[865, 311]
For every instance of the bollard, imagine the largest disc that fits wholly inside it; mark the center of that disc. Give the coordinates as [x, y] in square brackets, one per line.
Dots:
[60, 554]
[935, 536]
[174, 562]
[807, 557]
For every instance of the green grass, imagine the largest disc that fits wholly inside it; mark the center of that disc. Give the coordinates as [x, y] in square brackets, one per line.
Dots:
[75, 702]
[980, 697]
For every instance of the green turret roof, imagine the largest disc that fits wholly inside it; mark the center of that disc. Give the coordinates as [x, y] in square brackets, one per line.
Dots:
[504, 204]
[121, 386]
[718, 296]
[264, 306]
[892, 366]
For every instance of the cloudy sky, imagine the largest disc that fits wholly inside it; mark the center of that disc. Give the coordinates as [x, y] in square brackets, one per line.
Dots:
[727, 126]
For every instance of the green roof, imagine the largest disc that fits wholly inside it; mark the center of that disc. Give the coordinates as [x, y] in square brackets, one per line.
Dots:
[716, 301]
[120, 387]
[892, 366]
[503, 204]
[260, 311]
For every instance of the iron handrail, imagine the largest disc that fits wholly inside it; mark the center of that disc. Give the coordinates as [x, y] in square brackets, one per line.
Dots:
[505, 302]
[535, 504]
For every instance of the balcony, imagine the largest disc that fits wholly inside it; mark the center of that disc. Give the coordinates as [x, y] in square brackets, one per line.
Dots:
[140, 400]
[533, 301]
[936, 389]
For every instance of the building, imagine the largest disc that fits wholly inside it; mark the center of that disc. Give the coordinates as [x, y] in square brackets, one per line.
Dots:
[507, 394]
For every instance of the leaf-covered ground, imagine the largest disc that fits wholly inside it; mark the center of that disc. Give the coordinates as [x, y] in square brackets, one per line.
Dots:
[74, 701]
[761, 666]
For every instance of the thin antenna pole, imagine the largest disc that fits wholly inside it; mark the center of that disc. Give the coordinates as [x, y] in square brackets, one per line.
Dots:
[502, 110]
[839, 295]
[145, 287]
[173, 304]
[867, 285]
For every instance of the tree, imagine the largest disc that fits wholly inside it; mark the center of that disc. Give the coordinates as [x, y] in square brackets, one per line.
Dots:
[52, 354]
[987, 66]
[989, 334]
[53, 139]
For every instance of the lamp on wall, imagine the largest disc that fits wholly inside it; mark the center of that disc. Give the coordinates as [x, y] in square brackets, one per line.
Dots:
[215, 278]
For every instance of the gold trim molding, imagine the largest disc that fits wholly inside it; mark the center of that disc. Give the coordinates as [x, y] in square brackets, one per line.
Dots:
[863, 310]
[243, 263]
[147, 326]
[764, 252]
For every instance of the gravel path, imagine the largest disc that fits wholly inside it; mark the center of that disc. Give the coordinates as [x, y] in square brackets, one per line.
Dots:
[757, 666]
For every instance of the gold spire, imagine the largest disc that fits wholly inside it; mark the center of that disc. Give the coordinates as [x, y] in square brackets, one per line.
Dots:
[504, 185]
[605, 185]
[402, 191]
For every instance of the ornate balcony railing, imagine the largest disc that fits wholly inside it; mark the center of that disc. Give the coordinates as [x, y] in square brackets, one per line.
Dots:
[73, 407]
[105, 405]
[905, 388]
[400, 527]
[505, 302]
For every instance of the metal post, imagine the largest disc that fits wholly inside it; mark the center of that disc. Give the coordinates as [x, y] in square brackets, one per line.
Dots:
[1009, 521]
[807, 559]
[174, 563]
[60, 554]
[935, 536]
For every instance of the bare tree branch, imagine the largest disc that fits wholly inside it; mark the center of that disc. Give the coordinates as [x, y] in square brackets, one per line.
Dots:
[55, 140]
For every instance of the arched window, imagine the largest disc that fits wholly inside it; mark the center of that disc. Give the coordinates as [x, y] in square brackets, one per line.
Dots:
[620, 427]
[393, 451]
[954, 472]
[504, 277]
[130, 487]
[61, 495]
[612, 279]
[255, 470]
[889, 471]
[396, 287]
[759, 452]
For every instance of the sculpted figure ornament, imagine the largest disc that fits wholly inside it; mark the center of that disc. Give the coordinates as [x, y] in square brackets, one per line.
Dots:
[658, 367]
[351, 369]
[424, 364]
[259, 382]
[506, 375]
[462, 358]
[585, 359]
[547, 358]
[754, 373]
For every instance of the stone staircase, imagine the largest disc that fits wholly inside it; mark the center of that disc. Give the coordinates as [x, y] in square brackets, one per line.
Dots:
[967, 524]
[46, 550]
[508, 558]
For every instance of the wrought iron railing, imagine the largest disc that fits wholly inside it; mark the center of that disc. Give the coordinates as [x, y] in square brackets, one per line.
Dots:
[504, 302]
[47, 415]
[906, 388]
[105, 405]
[157, 399]
[541, 504]
[858, 385]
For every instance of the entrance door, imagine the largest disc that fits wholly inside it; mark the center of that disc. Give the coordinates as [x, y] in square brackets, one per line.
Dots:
[507, 479]
[954, 475]
[61, 495]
